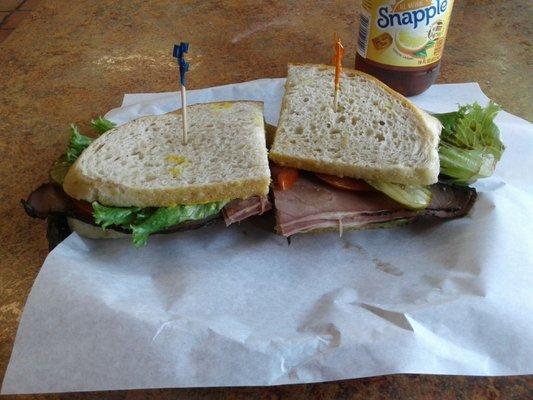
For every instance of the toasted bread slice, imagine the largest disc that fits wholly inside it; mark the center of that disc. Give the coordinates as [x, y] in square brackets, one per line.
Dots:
[144, 163]
[375, 134]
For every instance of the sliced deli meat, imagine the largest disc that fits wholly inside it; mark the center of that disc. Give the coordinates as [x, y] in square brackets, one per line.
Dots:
[238, 210]
[450, 201]
[311, 204]
[50, 199]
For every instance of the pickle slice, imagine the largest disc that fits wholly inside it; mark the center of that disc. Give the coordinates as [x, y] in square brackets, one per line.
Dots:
[411, 196]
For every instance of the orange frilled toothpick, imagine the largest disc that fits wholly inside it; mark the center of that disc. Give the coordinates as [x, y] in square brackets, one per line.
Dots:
[337, 61]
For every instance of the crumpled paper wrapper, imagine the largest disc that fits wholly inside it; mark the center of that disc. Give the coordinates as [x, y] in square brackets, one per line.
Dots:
[238, 306]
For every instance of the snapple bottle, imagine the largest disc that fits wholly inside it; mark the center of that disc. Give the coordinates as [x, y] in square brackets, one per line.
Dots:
[401, 42]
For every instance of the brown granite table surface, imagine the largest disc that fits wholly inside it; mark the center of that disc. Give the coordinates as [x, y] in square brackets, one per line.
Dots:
[71, 61]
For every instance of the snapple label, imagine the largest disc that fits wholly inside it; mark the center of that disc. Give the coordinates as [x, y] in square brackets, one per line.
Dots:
[399, 37]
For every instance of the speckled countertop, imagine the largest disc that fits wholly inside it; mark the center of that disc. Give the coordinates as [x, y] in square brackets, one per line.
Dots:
[71, 61]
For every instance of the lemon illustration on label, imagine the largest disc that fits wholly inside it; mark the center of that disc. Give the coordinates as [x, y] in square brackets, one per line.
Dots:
[410, 44]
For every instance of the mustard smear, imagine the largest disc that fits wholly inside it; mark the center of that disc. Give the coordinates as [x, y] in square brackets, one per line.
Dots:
[221, 106]
[175, 172]
[175, 159]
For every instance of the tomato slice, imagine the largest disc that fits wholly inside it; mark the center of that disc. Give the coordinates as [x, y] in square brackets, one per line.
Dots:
[284, 177]
[355, 185]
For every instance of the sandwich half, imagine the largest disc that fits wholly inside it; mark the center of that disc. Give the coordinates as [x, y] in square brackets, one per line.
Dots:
[373, 161]
[140, 179]
[374, 134]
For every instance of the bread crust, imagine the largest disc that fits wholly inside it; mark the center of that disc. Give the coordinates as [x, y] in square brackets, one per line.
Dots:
[425, 174]
[418, 176]
[375, 225]
[115, 194]
[94, 232]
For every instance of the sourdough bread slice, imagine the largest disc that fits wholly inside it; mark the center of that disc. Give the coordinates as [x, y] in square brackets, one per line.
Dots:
[94, 232]
[376, 133]
[144, 163]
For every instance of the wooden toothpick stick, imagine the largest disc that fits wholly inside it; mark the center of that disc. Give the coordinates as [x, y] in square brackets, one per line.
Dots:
[184, 113]
[337, 61]
[179, 51]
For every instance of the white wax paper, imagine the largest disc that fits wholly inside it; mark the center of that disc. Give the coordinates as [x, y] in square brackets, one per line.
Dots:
[238, 306]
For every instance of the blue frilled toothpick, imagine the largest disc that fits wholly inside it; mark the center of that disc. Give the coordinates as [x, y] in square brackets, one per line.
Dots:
[178, 53]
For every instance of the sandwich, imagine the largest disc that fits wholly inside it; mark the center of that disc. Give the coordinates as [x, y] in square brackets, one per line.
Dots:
[140, 179]
[375, 161]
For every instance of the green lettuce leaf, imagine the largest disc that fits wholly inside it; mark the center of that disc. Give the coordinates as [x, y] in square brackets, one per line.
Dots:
[102, 125]
[165, 217]
[119, 216]
[464, 166]
[145, 221]
[59, 170]
[78, 143]
[470, 144]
